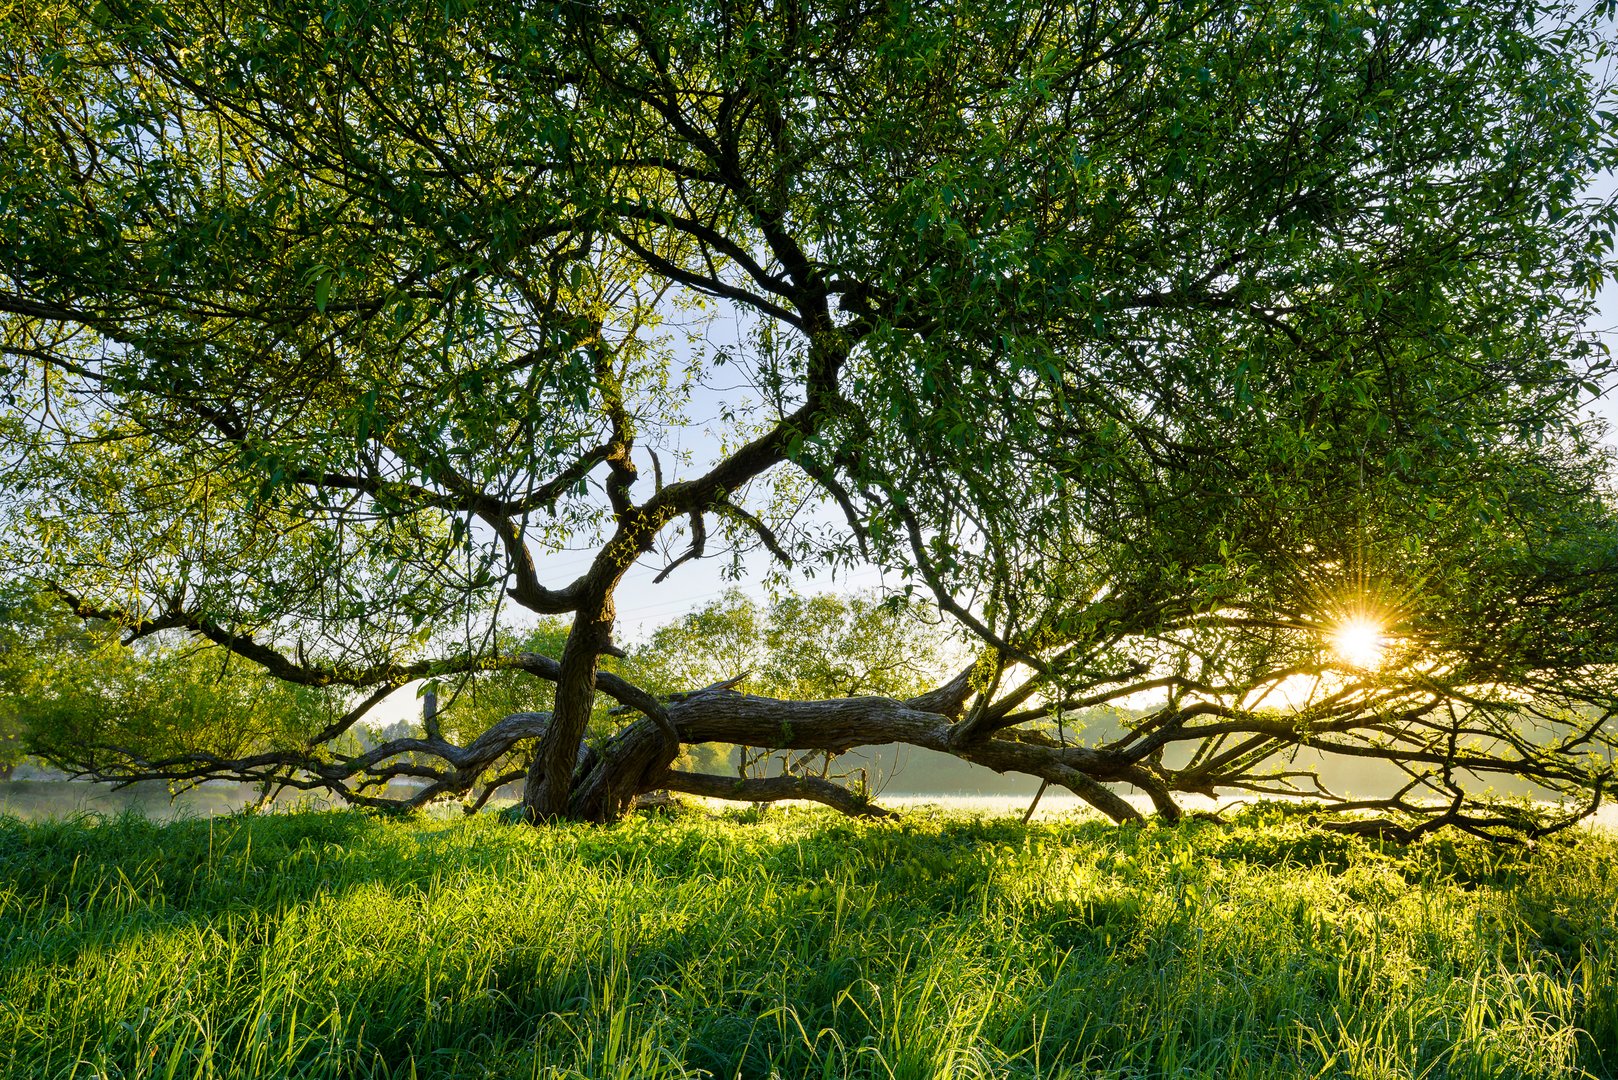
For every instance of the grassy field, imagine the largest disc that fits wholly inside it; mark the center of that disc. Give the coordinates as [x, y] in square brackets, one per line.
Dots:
[341, 945]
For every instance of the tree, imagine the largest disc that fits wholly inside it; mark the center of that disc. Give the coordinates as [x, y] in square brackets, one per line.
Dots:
[15, 614]
[806, 647]
[794, 648]
[1149, 342]
[77, 693]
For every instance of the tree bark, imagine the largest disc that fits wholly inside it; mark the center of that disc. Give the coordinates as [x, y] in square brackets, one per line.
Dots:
[632, 761]
[549, 782]
[773, 789]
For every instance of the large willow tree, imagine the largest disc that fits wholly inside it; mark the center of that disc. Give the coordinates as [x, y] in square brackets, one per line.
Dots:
[1218, 360]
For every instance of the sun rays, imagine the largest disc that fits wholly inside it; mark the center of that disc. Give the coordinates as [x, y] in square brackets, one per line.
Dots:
[1360, 641]
[1360, 609]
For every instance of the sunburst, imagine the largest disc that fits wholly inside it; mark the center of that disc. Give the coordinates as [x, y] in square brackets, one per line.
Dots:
[1360, 612]
[1360, 641]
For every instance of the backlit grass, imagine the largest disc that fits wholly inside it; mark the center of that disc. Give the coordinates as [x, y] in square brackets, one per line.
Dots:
[341, 945]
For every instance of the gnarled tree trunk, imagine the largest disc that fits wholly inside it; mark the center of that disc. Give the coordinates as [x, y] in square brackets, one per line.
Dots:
[636, 759]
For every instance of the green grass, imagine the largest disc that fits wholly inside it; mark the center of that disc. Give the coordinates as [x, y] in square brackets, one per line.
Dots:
[341, 945]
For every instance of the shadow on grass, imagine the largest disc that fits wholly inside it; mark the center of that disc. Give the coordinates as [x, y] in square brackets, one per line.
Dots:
[930, 946]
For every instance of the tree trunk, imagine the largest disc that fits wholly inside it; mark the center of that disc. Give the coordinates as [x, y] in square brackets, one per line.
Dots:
[549, 783]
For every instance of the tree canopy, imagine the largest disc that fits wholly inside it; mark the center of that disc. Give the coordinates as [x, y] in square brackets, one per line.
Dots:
[1151, 343]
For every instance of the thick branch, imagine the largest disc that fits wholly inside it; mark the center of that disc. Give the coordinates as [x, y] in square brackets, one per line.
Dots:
[773, 789]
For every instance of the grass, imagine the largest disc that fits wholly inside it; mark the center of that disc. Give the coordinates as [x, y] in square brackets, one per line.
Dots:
[342, 945]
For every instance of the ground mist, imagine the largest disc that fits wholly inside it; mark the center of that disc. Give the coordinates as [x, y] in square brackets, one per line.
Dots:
[344, 945]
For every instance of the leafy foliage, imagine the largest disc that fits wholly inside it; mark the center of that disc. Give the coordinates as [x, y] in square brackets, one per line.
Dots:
[1146, 341]
[73, 693]
[795, 647]
[824, 645]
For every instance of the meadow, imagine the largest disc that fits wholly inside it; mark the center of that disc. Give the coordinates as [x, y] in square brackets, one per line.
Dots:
[797, 944]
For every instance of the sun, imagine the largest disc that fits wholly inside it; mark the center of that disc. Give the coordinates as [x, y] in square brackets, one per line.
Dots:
[1359, 642]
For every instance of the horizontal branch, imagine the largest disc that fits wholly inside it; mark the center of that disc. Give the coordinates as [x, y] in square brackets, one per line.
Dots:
[762, 789]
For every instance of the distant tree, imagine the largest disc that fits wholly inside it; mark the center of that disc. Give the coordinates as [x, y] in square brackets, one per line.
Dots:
[10, 742]
[37, 635]
[81, 695]
[10, 716]
[793, 647]
[825, 645]
[1157, 345]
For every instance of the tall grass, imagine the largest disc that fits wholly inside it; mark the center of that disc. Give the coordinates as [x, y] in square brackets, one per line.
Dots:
[340, 945]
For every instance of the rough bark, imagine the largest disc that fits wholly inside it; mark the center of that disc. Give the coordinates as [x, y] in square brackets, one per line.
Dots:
[549, 779]
[631, 763]
[763, 789]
